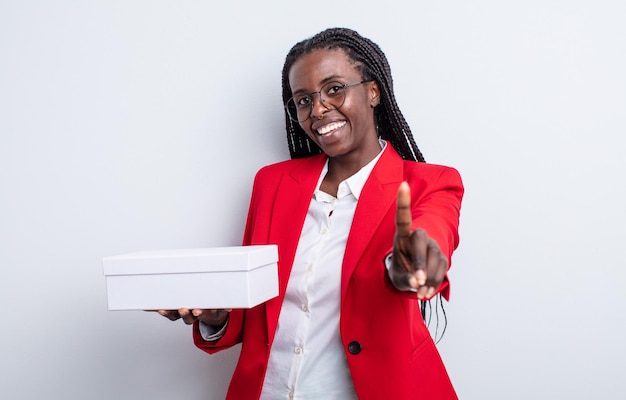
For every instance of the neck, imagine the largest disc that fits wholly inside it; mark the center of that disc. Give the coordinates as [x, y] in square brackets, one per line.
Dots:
[342, 167]
[348, 164]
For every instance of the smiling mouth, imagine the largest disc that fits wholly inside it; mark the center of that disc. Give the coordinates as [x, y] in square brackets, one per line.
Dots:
[330, 127]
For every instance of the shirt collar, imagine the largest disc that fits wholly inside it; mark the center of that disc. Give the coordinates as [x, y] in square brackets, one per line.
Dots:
[355, 183]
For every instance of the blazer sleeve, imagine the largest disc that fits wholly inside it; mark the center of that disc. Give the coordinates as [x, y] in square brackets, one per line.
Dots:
[232, 335]
[436, 205]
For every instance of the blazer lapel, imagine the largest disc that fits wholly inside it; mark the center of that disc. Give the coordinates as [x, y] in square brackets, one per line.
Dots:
[377, 197]
[290, 208]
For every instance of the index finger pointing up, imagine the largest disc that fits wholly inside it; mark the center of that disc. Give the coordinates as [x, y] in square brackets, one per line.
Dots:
[403, 211]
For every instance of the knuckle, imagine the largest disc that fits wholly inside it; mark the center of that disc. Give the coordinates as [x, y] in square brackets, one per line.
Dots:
[419, 260]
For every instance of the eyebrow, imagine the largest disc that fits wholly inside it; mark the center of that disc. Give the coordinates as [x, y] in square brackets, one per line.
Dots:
[323, 82]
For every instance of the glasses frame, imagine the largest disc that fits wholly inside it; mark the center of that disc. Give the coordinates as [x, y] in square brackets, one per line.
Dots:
[343, 86]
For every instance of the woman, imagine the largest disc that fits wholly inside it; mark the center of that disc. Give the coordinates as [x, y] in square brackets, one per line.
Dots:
[363, 231]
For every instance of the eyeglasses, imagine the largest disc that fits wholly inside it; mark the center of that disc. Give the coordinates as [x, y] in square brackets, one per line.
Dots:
[332, 95]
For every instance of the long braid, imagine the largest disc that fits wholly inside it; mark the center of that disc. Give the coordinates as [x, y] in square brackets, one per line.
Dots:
[371, 60]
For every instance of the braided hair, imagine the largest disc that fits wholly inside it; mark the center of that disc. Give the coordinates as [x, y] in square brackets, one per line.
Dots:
[372, 64]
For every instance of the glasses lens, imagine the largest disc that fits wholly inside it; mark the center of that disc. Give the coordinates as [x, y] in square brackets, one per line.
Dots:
[331, 95]
[297, 114]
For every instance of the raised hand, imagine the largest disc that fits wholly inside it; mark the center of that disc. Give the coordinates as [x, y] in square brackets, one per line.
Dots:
[417, 261]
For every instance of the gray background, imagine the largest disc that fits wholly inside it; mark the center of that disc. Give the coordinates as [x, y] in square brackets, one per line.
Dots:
[138, 125]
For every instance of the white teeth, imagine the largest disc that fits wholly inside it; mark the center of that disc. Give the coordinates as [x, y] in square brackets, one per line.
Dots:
[330, 127]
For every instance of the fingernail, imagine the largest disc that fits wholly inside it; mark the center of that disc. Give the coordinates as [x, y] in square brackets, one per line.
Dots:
[421, 277]
[430, 293]
[413, 282]
[196, 312]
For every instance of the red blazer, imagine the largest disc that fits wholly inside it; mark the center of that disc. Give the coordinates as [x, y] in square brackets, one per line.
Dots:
[390, 352]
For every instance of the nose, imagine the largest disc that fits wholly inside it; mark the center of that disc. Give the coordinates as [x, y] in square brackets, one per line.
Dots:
[318, 107]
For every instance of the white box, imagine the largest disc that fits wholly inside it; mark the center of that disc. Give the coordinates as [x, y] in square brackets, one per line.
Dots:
[219, 277]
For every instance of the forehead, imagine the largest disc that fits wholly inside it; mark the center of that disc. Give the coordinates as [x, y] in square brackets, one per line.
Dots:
[318, 66]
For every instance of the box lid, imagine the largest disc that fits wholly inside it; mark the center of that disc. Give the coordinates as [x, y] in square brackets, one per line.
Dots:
[213, 259]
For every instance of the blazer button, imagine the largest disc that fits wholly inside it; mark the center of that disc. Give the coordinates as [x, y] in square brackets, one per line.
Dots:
[354, 347]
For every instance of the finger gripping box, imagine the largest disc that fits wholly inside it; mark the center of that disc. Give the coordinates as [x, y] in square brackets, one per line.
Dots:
[218, 277]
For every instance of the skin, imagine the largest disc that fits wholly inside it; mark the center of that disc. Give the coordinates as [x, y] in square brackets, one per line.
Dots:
[215, 318]
[418, 263]
[353, 145]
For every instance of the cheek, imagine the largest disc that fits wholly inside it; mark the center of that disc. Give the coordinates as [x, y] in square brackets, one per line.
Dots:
[357, 108]
[360, 113]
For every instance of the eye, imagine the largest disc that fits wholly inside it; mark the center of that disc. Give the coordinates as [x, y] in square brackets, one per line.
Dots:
[302, 101]
[334, 89]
